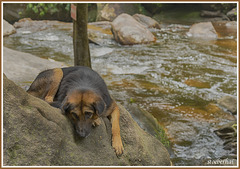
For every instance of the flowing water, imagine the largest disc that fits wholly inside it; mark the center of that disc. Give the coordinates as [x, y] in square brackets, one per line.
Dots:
[177, 79]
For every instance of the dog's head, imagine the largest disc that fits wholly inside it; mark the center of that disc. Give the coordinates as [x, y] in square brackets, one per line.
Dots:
[83, 107]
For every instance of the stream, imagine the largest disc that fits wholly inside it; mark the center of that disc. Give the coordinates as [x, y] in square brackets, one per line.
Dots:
[177, 79]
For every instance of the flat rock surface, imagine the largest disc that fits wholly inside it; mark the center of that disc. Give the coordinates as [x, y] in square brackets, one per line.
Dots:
[22, 67]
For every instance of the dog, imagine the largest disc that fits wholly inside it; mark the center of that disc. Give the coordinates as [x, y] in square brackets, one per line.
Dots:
[82, 95]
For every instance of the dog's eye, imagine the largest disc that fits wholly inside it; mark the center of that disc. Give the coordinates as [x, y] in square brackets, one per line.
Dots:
[75, 115]
[88, 115]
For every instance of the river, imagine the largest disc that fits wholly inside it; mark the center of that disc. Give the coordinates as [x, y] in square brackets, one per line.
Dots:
[177, 79]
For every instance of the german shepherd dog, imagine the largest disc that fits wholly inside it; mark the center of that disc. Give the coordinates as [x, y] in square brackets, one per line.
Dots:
[82, 95]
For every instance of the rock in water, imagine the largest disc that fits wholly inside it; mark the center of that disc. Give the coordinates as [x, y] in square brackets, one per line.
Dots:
[228, 102]
[128, 31]
[36, 134]
[146, 21]
[8, 29]
[228, 133]
[204, 30]
[109, 11]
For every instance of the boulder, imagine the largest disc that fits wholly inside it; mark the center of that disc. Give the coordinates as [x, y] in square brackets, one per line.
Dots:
[100, 33]
[203, 30]
[8, 29]
[128, 31]
[109, 11]
[229, 103]
[146, 21]
[23, 67]
[228, 133]
[148, 123]
[226, 28]
[36, 134]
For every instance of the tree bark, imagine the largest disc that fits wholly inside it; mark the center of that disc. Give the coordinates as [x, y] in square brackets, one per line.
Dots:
[80, 37]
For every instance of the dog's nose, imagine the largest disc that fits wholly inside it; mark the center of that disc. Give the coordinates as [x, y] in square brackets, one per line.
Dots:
[81, 133]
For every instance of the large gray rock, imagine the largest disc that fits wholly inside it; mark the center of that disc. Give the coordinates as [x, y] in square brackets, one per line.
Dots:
[128, 31]
[204, 30]
[8, 29]
[146, 21]
[34, 133]
[23, 67]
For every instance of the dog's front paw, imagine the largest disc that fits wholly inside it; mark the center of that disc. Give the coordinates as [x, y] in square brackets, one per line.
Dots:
[117, 145]
[49, 99]
[96, 122]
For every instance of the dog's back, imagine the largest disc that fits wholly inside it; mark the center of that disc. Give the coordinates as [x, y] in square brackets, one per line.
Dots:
[83, 78]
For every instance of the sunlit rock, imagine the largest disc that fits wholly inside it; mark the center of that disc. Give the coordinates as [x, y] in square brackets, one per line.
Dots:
[128, 31]
[229, 103]
[203, 30]
[146, 21]
[8, 29]
[109, 11]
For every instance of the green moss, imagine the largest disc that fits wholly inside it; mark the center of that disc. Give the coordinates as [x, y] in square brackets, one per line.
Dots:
[161, 135]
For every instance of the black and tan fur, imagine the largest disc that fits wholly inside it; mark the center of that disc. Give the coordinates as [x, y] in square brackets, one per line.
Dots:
[82, 95]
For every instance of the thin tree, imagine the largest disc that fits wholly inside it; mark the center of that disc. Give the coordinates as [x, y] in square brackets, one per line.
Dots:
[80, 36]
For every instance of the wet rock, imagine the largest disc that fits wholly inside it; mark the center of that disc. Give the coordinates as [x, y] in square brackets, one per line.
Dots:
[197, 83]
[210, 113]
[228, 133]
[148, 123]
[27, 24]
[226, 28]
[128, 31]
[100, 33]
[203, 30]
[232, 15]
[146, 21]
[180, 132]
[8, 29]
[229, 103]
[109, 11]
[38, 134]
[230, 44]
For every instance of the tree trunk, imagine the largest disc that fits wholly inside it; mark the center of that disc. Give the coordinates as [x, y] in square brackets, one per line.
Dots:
[80, 37]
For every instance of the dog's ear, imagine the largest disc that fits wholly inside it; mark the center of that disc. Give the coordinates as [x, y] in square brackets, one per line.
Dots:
[99, 107]
[66, 106]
